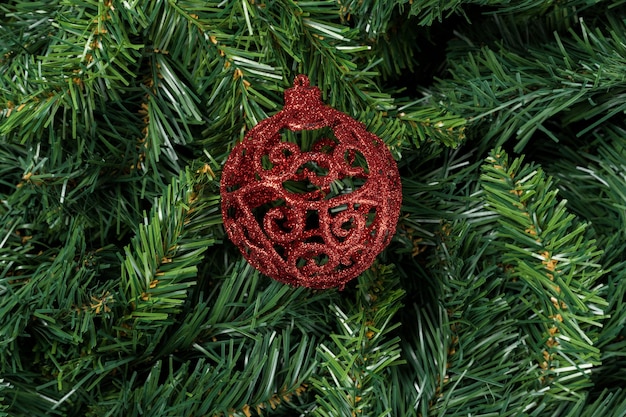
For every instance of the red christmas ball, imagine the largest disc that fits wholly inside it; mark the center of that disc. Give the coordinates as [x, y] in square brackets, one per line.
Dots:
[314, 214]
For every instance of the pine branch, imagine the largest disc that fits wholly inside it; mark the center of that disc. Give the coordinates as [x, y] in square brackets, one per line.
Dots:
[61, 297]
[557, 265]
[608, 403]
[426, 349]
[371, 17]
[256, 339]
[82, 57]
[510, 89]
[158, 264]
[590, 178]
[431, 11]
[592, 182]
[362, 352]
[202, 387]
[443, 188]
[490, 354]
[486, 355]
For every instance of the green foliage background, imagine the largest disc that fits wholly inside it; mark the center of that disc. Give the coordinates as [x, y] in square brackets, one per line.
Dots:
[502, 293]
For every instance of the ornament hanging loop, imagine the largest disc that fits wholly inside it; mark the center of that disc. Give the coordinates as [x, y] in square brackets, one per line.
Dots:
[301, 80]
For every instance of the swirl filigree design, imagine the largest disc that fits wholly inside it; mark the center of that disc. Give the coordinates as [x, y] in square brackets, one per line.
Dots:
[315, 217]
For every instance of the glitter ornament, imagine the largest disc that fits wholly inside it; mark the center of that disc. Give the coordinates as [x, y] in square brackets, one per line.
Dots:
[314, 213]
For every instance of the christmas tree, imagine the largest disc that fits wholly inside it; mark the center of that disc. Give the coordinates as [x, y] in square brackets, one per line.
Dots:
[501, 293]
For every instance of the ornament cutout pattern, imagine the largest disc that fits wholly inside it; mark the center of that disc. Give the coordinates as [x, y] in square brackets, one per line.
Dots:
[310, 197]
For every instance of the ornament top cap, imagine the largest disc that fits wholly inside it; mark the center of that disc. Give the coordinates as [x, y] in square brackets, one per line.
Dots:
[302, 95]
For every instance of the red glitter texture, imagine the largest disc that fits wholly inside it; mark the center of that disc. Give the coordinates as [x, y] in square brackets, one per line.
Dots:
[315, 217]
